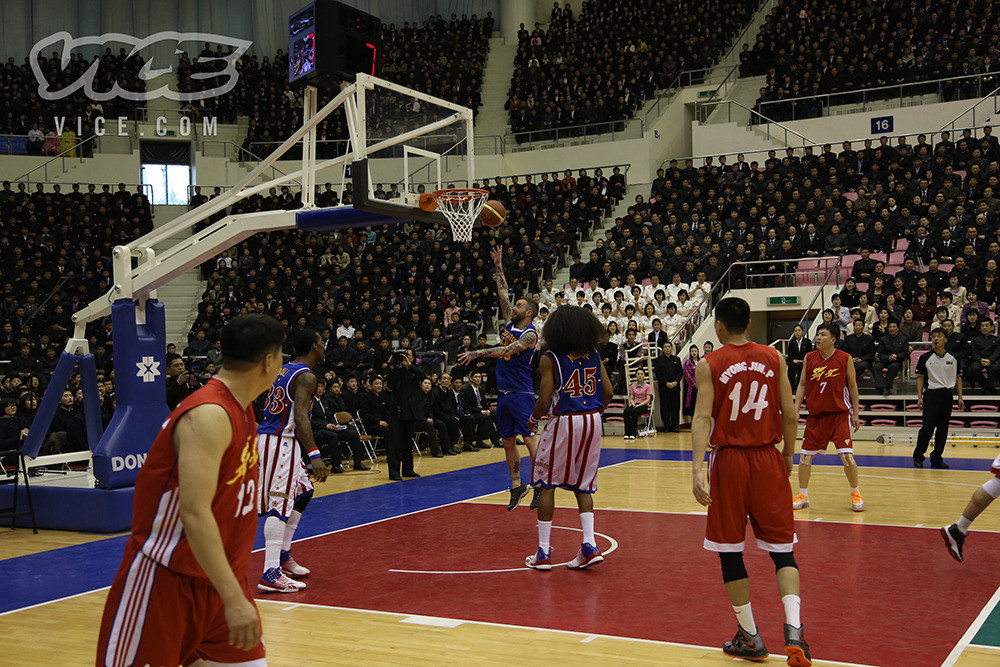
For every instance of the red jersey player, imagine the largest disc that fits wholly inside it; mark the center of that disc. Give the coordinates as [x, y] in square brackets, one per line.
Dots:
[744, 408]
[830, 389]
[182, 595]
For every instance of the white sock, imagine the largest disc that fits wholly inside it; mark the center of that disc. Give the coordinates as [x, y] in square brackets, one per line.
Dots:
[804, 492]
[792, 603]
[274, 533]
[745, 617]
[544, 535]
[855, 489]
[290, 526]
[964, 524]
[587, 523]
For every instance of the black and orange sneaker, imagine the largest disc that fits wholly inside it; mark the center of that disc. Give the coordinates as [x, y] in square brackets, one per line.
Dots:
[796, 647]
[746, 646]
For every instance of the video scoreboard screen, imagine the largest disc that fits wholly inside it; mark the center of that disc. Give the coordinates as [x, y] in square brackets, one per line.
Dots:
[329, 42]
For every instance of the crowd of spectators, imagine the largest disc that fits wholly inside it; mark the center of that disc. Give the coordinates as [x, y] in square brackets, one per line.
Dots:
[601, 64]
[38, 126]
[809, 48]
[936, 204]
[57, 248]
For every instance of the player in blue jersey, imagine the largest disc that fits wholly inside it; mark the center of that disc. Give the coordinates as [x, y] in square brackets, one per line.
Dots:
[515, 391]
[576, 387]
[284, 488]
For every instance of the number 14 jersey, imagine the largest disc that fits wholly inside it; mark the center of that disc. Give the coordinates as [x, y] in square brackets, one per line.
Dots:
[747, 407]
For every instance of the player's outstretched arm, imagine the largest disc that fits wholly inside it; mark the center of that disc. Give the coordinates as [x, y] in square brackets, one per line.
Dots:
[546, 385]
[503, 291]
[701, 427]
[304, 390]
[200, 438]
[789, 415]
[528, 340]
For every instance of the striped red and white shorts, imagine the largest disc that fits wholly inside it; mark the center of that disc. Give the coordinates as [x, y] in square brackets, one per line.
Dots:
[283, 476]
[569, 453]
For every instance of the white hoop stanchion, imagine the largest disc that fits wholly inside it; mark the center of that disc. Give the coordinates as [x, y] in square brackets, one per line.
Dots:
[461, 206]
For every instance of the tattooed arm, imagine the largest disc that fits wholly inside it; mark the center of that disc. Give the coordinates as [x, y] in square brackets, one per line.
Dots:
[527, 341]
[502, 290]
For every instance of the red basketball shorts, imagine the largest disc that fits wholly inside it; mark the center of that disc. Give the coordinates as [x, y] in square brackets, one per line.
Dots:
[749, 482]
[825, 428]
[154, 616]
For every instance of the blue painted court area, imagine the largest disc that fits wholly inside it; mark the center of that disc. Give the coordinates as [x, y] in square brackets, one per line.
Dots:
[60, 573]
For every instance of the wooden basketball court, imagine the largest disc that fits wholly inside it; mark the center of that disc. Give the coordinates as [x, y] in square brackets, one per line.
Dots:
[430, 571]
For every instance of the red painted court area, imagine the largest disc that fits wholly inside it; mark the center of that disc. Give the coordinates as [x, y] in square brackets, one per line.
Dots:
[871, 594]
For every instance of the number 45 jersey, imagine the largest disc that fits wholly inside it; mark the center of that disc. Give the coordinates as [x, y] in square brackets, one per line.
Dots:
[747, 407]
[578, 382]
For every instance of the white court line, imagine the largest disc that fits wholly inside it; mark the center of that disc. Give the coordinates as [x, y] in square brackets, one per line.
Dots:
[585, 635]
[433, 621]
[905, 479]
[613, 541]
[992, 648]
[862, 474]
[588, 639]
[812, 520]
[303, 539]
[42, 604]
[426, 509]
[290, 607]
[971, 632]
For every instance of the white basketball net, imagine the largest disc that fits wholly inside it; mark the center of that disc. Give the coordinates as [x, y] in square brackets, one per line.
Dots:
[461, 207]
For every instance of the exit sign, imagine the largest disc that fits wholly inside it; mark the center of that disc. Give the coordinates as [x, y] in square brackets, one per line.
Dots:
[782, 300]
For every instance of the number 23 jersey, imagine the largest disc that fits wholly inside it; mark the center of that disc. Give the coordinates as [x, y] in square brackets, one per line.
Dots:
[747, 407]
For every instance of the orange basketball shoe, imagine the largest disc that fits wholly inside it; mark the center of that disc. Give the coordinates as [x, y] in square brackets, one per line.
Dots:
[857, 502]
[801, 502]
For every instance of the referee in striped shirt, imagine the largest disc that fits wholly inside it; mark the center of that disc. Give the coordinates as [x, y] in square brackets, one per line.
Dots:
[937, 377]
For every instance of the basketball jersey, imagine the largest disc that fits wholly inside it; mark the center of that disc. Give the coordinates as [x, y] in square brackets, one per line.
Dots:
[747, 407]
[514, 370]
[156, 524]
[826, 382]
[279, 409]
[578, 382]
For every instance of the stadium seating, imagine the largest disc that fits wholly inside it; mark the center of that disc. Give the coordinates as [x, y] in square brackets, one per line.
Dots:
[805, 51]
[598, 66]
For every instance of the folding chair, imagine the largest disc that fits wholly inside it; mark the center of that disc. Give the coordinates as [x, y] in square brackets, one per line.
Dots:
[415, 438]
[367, 441]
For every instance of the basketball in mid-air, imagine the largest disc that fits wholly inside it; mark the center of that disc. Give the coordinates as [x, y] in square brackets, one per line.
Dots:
[493, 213]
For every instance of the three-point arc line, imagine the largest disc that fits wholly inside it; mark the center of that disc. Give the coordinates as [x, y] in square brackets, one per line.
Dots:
[611, 549]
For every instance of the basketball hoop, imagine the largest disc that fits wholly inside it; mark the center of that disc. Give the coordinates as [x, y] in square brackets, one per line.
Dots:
[461, 206]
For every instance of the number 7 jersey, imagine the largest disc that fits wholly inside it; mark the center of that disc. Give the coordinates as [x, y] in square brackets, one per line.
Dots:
[747, 407]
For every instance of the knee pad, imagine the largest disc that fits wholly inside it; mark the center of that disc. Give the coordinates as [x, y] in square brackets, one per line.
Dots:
[783, 559]
[992, 487]
[302, 501]
[733, 568]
